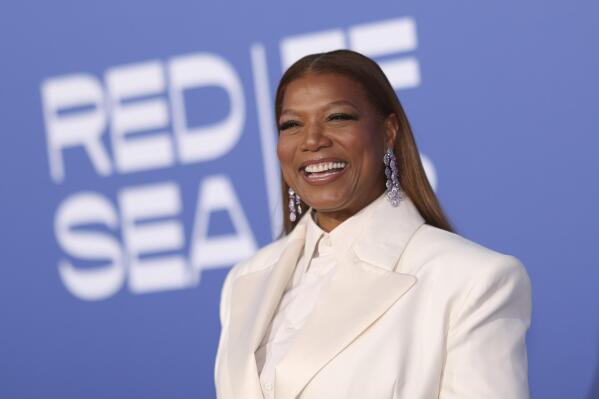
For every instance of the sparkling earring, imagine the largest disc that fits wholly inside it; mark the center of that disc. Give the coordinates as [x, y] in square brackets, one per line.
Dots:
[294, 203]
[392, 183]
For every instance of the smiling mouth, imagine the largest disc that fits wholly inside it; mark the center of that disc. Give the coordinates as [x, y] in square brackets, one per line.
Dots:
[323, 172]
[324, 167]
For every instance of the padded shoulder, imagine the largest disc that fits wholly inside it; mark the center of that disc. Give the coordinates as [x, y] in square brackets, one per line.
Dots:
[434, 248]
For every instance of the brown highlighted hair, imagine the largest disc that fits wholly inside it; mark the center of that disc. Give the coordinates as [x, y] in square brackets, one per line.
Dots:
[381, 94]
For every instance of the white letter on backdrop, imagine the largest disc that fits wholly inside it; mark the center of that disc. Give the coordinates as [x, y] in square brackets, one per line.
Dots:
[97, 282]
[212, 141]
[130, 115]
[79, 127]
[217, 193]
[155, 272]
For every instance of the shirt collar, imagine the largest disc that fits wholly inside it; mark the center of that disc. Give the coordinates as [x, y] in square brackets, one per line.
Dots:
[342, 236]
[313, 234]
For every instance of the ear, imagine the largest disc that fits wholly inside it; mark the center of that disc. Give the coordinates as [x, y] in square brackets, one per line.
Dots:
[391, 127]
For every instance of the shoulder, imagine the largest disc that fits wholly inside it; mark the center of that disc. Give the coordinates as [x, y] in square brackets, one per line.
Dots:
[433, 251]
[467, 277]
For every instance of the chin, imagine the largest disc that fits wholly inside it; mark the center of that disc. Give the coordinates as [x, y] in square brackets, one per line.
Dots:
[328, 202]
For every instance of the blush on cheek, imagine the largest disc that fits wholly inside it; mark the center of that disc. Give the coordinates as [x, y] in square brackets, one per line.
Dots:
[285, 160]
[280, 151]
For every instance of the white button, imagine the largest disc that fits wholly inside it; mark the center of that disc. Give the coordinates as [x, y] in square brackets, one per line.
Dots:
[268, 386]
[325, 246]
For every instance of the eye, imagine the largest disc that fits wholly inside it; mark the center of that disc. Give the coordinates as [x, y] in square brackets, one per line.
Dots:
[288, 125]
[340, 116]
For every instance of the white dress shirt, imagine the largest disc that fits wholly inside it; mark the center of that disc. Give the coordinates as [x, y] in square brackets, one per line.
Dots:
[314, 269]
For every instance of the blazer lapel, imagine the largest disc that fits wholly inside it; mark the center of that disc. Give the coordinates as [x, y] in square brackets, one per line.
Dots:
[255, 297]
[363, 288]
[355, 299]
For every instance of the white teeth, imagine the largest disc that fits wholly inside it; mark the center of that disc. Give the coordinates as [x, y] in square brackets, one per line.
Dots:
[324, 166]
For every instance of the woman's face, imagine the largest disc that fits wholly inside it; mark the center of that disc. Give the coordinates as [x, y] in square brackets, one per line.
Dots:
[332, 142]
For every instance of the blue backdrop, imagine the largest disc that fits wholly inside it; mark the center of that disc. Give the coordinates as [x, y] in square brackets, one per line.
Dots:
[136, 164]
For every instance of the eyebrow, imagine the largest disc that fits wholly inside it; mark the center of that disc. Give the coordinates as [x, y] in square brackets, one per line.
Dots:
[329, 105]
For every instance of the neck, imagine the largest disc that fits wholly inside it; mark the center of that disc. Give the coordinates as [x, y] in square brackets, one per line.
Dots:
[328, 220]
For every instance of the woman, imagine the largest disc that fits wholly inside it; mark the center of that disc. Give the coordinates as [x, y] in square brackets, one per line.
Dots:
[368, 294]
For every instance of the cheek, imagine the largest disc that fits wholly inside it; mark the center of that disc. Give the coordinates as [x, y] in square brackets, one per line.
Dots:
[369, 149]
[285, 152]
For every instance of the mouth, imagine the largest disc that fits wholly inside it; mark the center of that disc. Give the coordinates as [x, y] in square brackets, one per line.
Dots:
[323, 171]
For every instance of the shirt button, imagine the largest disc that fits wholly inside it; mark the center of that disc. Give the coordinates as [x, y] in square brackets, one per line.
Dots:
[326, 241]
[268, 386]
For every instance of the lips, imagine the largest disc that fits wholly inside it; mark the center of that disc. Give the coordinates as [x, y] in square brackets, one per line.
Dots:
[321, 161]
[323, 171]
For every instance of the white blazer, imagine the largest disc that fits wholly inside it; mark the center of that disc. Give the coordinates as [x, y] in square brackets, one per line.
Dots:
[412, 312]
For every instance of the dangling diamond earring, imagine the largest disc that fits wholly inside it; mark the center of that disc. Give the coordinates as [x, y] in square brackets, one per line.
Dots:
[294, 202]
[392, 183]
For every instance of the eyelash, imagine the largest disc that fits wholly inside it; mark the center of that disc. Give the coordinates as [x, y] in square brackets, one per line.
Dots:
[287, 125]
[334, 117]
[342, 116]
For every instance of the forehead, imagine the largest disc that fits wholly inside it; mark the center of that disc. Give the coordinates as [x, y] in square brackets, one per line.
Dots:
[313, 91]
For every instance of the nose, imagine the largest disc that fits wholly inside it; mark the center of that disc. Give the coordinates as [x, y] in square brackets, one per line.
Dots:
[314, 138]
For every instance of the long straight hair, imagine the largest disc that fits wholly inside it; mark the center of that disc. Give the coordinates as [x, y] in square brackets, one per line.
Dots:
[381, 94]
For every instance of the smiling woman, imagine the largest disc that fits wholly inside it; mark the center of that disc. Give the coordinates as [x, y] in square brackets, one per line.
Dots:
[368, 294]
[331, 145]
[350, 87]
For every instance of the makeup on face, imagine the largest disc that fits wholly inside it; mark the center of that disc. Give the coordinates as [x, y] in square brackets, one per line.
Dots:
[331, 143]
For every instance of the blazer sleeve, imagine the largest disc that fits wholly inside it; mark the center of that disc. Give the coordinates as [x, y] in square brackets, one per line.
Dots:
[486, 349]
[225, 300]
